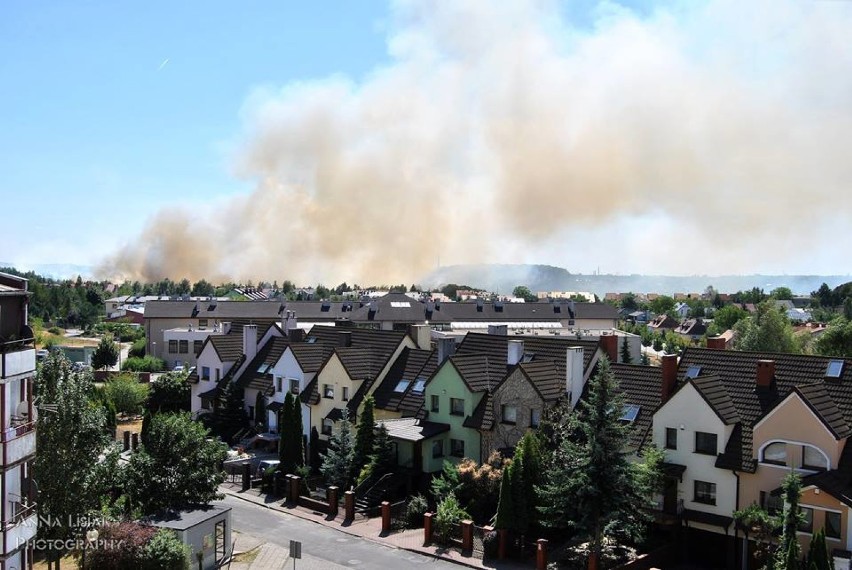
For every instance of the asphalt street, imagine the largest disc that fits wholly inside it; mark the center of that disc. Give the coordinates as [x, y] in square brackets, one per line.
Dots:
[324, 543]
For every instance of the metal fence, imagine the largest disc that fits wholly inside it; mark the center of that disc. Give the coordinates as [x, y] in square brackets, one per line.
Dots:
[399, 518]
[478, 542]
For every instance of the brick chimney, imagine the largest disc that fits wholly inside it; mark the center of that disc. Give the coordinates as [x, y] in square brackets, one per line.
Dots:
[765, 373]
[717, 342]
[669, 381]
[609, 345]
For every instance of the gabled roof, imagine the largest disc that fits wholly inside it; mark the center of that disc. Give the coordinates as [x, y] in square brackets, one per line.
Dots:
[310, 395]
[479, 372]
[714, 393]
[229, 346]
[663, 322]
[691, 327]
[818, 399]
[311, 357]
[267, 356]
[737, 372]
[413, 429]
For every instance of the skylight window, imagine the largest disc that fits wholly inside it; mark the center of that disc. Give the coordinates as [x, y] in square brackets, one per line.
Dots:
[834, 369]
[629, 414]
[263, 368]
[400, 304]
[402, 386]
[311, 339]
[693, 371]
[528, 357]
[419, 385]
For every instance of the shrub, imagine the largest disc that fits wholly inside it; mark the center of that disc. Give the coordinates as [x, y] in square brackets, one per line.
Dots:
[133, 538]
[126, 394]
[55, 330]
[417, 507]
[490, 544]
[165, 551]
[447, 518]
[144, 364]
[137, 350]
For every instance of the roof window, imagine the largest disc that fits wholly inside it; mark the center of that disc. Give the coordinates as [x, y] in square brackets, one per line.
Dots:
[834, 369]
[693, 371]
[402, 386]
[630, 413]
[419, 385]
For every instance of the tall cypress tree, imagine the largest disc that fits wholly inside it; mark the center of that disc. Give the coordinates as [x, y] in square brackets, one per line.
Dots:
[789, 551]
[287, 453]
[365, 436]
[625, 352]
[297, 441]
[506, 506]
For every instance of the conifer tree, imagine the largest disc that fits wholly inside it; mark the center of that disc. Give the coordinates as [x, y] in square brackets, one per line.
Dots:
[625, 352]
[298, 441]
[789, 551]
[506, 506]
[365, 435]
[337, 462]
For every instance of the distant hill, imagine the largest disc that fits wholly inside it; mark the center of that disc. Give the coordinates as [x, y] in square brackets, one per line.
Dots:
[504, 278]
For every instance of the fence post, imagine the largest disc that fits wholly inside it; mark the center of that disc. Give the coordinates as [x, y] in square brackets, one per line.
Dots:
[331, 496]
[126, 440]
[276, 484]
[349, 505]
[134, 441]
[541, 554]
[467, 535]
[486, 530]
[295, 488]
[386, 516]
[427, 528]
[502, 543]
[246, 476]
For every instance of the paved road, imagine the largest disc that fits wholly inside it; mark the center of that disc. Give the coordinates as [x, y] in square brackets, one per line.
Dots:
[324, 543]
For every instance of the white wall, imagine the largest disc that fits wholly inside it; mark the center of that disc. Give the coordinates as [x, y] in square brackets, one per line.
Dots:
[688, 413]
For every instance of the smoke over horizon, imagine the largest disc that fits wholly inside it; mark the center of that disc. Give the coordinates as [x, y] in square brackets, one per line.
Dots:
[713, 131]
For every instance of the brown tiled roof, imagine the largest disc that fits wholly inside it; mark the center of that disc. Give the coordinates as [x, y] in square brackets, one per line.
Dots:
[691, 327]
[545, 377]
[737, 373]
[479, 371]
[268, 355]
[663, 322]
[310, 395]
[412, 402]
[642, 386]
[413, 429]
[539, 348]
[229, 346]
[482, 416]
[837, 482]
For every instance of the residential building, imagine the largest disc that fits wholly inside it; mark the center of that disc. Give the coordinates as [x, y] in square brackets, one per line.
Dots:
[663, 323]
[737, 422]
[691, 329]
[18, 515]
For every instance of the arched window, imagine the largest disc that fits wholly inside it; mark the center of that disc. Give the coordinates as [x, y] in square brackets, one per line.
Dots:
[813, 458]
[775, 453]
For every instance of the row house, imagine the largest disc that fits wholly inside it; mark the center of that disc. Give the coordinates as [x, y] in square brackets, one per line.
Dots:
[18, 517]
[733, 424]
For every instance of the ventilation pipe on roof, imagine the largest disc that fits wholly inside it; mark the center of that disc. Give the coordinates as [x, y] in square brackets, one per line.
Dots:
[574, 381]
[249, 341]
[515, 352]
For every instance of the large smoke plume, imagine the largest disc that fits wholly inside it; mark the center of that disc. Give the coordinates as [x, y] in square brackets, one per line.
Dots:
[505, 131]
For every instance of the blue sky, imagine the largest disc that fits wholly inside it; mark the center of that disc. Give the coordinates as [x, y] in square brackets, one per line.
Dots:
[580, 133]
[97, 132]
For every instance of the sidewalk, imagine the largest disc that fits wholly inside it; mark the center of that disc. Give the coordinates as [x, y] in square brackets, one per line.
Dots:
[371, 529]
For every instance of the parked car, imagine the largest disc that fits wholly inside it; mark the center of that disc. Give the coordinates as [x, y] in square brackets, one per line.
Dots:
[265, 465]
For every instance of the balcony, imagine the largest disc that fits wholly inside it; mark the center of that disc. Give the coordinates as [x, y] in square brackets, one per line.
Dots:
[20, 527]
[17, 443]
[17, 357]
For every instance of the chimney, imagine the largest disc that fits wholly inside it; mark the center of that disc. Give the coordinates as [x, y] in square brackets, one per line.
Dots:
[765, 373]
[422, 335]
[717, 342]
[669, 380]
[226, 328]
[446, 348]
[515, 352]
[344, 339]
[374, 306]
[501, 330]
[574, 373]
[480, 304]
[430, 306]
[249, 341]
[609, 345]
[296, 335]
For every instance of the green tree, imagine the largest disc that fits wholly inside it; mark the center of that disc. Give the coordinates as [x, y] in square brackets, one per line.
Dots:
[590, 485]
[448, 515]
[260, 410]
[836, 340]
[523, 292]
[178, 466]
[760, 527]
[169, 394]
[819, 557]
[726, 317]
[768, 330]
[628, 301]
[781, 294]
[383, 458]
[105, 355]
[298, 441]
[625, 352]
[662, 304]
[506, 505]
[365, 435]
[69, 437]
[290, 445]
[230, 417]
[126, 393]
[788, 550]
[337, 462]
[202, 289]
[825, 296]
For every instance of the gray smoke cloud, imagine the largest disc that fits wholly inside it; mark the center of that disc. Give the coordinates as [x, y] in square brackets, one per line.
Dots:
[505, 130]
